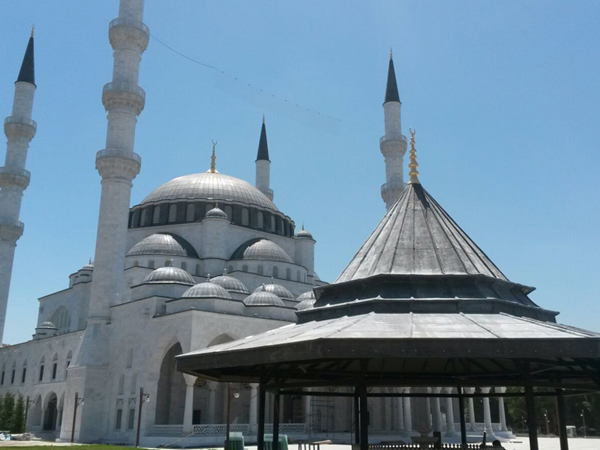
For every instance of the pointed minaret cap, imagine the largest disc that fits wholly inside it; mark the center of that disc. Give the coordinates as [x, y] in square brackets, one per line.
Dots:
[263, 148]
[391, 90]
[414, 173]
[27, 72]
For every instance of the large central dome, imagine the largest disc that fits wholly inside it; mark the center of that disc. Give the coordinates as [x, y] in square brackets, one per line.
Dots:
[210, 186]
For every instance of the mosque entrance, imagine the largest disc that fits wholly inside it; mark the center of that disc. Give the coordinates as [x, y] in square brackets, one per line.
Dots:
[51, 414]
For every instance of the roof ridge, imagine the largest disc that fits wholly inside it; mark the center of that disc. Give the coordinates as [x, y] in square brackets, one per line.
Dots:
[556, 326]
[479, 325]
[434, 246]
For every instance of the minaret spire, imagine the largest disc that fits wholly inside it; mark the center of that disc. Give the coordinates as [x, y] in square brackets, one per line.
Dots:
[393, 144]
[414, 173]
[14, 179]
[263, 164]
[213, 159]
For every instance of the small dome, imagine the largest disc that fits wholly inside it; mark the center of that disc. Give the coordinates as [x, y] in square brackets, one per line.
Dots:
[307, 303]
[89, 266]
[262, 249]
[208, 289]
[303, 234]
[231, 284]
[169, 275]
[163, 244]
[278, 290]
[48, 325]
[309, 295]
[216, 213]
[263, 298]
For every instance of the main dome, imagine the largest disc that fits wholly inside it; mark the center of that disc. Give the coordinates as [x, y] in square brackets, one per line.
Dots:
[209, 186]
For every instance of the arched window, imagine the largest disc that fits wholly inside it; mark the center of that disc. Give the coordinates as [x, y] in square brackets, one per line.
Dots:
[151, 264]
[133, 383]
[61, 319]
[129, 358]
[229, 269]
[190, 214]
[41, 374]
[184, 265]
[272, 224]
[245, 217]
[288, 274]
[168, 263]
[3, 373]
[24, 372]
[275, 272]
[135, 263]
[54, 366]
[280, 227]
[69, 357]
[197, 270]
[208, 207]
[156, 216]
[260, 220]
[244, 268]
[172, 213]
[135, 218]
[144, 219]
[260, 270]
[14, 371]
[229, 211]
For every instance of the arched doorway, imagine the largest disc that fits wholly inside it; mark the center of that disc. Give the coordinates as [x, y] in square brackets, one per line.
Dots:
[170, 397]
[51, 413]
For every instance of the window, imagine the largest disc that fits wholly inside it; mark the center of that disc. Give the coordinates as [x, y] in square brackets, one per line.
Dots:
[156, 216]
[2, 380]
[298, 276]
[119, 419]
[198, 270]
[245, 217]
[197, 416]
[135, 264]
[144, 219]
[208, 208]
[61, 319]
[12, 377]
[151, 264]
[272, 223]
[54, 368]
[275, 272]
[133, 383]
[184, 266]
[260, 219]
[69, 357]
[229, 211]
[229, 269]
[190, 214]
[172, 213]
[121, 385]
[288, 274]
[260, 270]
[24, 375]
[131, 419]
[130, 358]
[244, 268]
[41, 377]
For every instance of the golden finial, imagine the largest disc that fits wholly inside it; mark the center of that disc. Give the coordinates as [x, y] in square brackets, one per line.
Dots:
[413, 159]
[32, 29]
[391, 53]
[213, 159]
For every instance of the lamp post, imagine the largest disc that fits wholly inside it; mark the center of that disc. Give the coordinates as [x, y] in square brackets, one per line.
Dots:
[236, 394]
[144, 398]
[583, 418]
[78, 402]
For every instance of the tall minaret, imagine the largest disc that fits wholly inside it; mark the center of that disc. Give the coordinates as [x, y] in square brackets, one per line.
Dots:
[14, 179]
[393, 143]
[263, 164]
[118, 165]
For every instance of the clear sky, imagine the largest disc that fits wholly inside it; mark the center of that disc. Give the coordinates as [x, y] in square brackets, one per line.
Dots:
[504, 96]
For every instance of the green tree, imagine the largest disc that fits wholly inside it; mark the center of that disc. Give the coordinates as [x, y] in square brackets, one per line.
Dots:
[18, 420]
[8, 406]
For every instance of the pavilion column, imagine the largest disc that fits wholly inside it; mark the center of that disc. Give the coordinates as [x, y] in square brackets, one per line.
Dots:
[487, 413]
[562, 420]
[501, 409]
[188, 410]
[387, 413]
[436, 411]
[531, 418]
[472, 420]
[276, 417]
[407, 413]
[307, 412]
[260, 438]
[252, 417]
[364, 418]
[450, 432]
[421, 413]
[461, 412]
[212, 401]
[399, 415]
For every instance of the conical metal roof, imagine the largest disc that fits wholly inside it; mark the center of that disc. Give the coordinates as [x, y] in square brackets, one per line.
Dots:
[391, 89]
[27, 72]
[417, 237]
[263, 147]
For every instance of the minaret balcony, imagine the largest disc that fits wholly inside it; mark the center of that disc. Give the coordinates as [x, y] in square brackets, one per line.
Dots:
[115, 163]
[15, 127]
[125, 32]
[400, 138]
[123, 94]
[11, 230]
[14, 176]
[390, 145]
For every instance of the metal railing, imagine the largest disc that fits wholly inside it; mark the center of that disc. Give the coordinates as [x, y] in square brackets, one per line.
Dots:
[11, 170]
[124, 86]
[396, 138]
[119, 153]
[120, 22]
[20, 120]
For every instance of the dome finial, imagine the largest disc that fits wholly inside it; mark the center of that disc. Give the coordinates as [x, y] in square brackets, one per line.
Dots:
[213, 159]
[263, 118]
[413, 159]
[208, 278]
[224, 271]
[391, 53]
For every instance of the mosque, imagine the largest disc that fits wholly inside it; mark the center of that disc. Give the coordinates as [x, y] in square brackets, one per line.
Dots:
[204, 259]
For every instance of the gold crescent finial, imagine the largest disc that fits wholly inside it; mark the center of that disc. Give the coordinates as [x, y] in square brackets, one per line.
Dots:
[32, 29]
[213, 159]
[414, 173]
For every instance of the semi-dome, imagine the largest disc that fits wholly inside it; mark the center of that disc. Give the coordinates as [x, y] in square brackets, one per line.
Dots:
[216, 213]
[308, 295]
[231, 284]
[208, 289]
[48, 325]
[210, 186]
[163, 244]
[304, 234]
[278, 290]
[263, 298]
[169, 275]
[262, 249]
[88, 266]
[308, 303]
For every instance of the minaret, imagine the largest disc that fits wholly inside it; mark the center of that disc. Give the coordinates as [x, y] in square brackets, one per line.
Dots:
[118, 165]
[14, 179]
[393, 143]
[263, 164]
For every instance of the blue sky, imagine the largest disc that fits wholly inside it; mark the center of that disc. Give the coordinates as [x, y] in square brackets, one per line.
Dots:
[504, 97]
